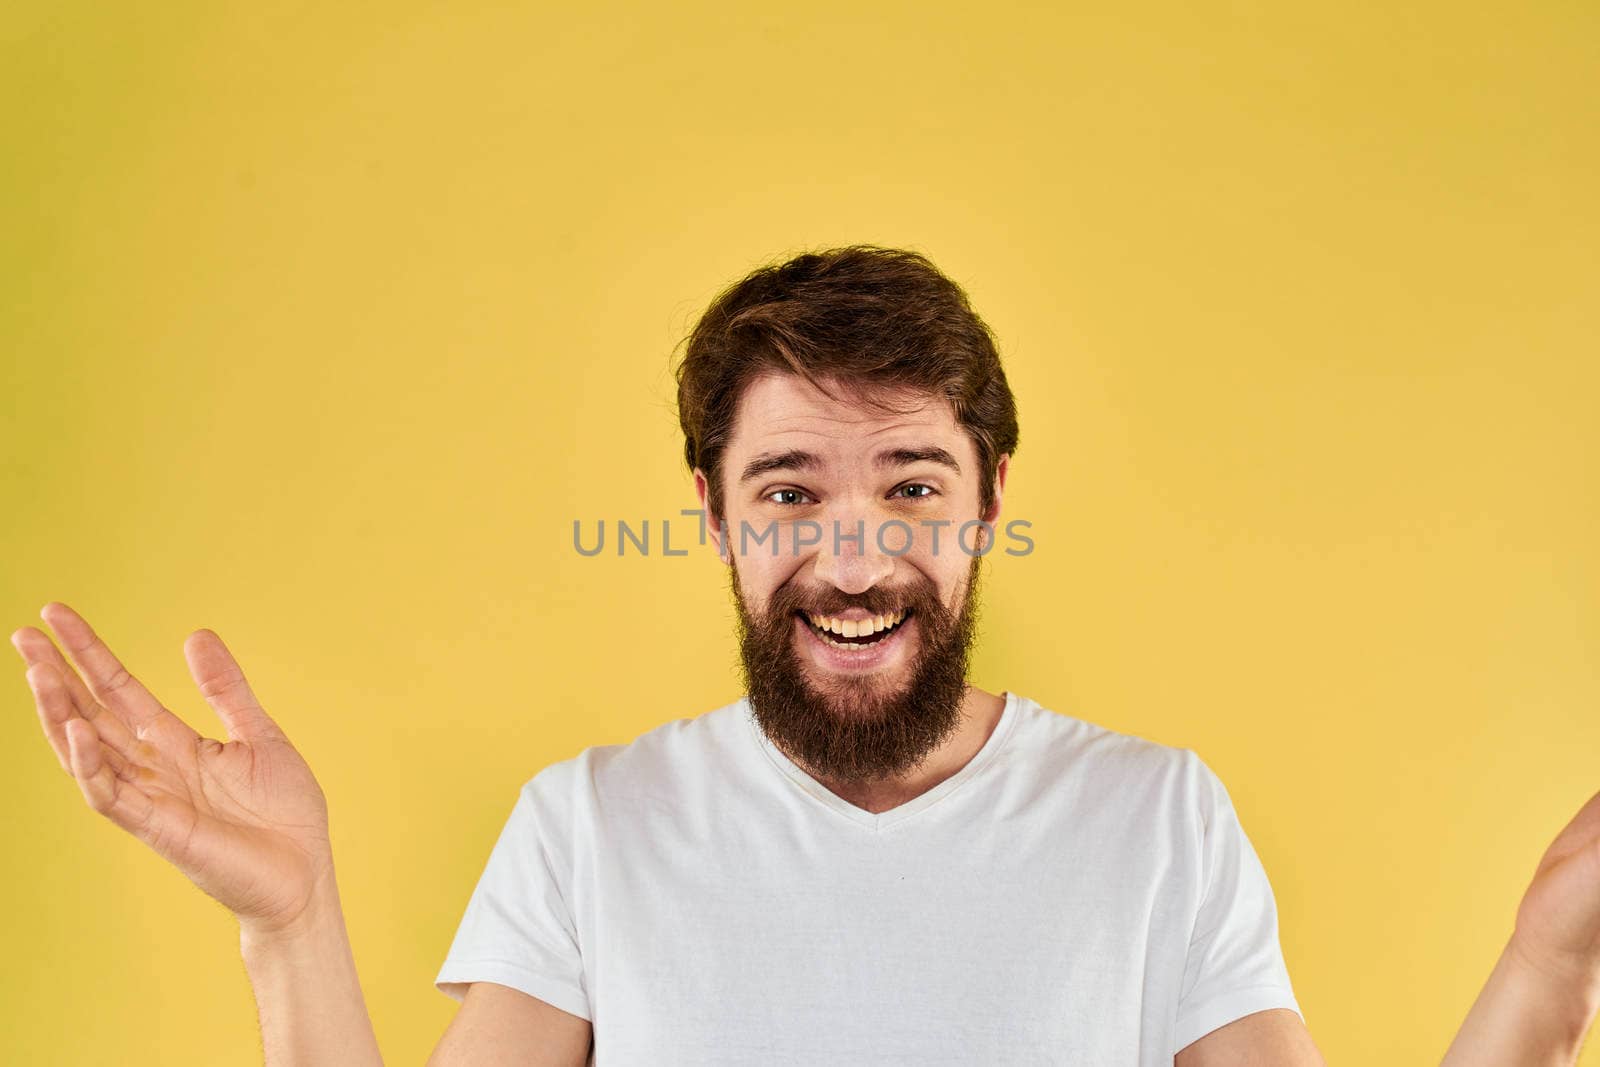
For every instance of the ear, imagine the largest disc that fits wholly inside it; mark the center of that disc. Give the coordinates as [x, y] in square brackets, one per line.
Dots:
[993, 515]
[713, 523]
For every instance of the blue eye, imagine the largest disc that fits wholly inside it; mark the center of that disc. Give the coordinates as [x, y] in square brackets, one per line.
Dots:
[785, 493]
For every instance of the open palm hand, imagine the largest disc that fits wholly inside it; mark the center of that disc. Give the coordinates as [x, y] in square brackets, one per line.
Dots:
[244, 819]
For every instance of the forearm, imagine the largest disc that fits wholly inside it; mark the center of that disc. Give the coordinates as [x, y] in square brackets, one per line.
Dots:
[308, 995]
[1523, 1018]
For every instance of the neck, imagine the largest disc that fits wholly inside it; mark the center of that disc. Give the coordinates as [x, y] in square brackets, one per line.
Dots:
[980, 714]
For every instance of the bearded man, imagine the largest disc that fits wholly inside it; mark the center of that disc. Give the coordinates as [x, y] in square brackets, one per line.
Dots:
[864, 859]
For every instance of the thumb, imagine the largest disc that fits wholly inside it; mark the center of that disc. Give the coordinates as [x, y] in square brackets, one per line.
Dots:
[223, 684]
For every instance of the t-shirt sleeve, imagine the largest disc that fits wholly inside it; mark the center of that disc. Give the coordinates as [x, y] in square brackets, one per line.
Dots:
[1235, 965]
[518, 929]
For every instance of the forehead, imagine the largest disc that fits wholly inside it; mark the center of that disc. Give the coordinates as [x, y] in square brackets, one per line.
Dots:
[784, 409]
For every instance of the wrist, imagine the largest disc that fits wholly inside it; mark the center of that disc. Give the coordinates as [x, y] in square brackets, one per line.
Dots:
[1566, 990]
[1523, 1017]
[308, 995]
[321, 915]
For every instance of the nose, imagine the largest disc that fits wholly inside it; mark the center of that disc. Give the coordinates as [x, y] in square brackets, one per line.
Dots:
[849, 557]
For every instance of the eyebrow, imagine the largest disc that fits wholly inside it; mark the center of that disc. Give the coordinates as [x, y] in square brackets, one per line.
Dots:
[796, 459]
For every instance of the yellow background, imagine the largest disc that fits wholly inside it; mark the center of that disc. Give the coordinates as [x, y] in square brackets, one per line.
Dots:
[321, 326]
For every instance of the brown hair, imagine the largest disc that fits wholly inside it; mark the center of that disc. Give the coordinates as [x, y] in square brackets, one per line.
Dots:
[874, 319]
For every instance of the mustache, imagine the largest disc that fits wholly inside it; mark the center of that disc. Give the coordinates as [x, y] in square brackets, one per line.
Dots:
[787, 601]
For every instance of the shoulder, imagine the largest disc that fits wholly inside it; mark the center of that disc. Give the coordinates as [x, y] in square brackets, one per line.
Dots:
[664, 760]
[1062, 743]
[1095, 763]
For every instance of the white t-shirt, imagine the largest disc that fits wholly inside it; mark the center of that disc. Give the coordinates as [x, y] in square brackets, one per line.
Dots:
[1072, 895]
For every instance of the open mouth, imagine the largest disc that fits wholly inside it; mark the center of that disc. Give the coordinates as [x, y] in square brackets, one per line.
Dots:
[852, 633]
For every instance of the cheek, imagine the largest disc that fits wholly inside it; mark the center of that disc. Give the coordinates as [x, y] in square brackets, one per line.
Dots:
[761, 576]
[943, 550]
[949, 569]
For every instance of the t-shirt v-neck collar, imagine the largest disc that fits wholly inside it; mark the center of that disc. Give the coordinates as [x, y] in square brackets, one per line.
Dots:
[881, 820]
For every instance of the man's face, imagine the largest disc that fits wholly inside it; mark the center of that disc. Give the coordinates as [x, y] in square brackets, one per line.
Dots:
[802, 476]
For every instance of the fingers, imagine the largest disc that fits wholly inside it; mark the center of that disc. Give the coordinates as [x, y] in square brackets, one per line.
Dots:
[223, 684]
[103, 788]
[55, 708]
[53, 697]
[108, 679]
[34, 647]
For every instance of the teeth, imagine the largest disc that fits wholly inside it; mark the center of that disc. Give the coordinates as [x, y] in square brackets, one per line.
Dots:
[856, 627]
[845, 647]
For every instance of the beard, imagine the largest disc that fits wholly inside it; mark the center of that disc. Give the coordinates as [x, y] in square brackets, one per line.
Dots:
[855, 728]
